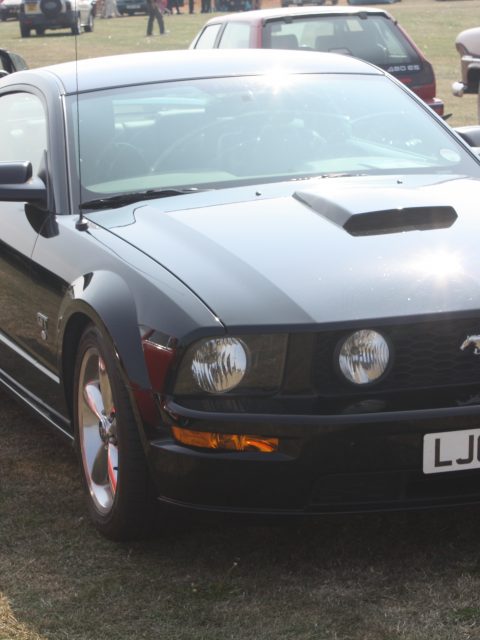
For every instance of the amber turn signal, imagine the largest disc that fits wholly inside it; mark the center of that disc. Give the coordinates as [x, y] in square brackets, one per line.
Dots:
[227, 441]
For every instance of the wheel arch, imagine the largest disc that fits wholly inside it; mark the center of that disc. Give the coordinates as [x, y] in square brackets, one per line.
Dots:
[105, 300]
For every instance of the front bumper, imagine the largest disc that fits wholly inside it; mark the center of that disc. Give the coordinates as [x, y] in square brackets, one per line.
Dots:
[324, 465]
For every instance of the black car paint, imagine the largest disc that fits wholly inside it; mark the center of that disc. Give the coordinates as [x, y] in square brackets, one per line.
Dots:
[115, 273]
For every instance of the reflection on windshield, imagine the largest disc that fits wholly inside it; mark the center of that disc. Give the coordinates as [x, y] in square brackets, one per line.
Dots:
[222, 132]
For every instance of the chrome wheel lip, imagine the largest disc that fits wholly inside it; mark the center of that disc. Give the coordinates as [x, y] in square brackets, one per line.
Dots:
[97, 431]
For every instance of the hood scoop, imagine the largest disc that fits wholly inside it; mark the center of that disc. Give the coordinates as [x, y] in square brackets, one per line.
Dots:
[371, 212]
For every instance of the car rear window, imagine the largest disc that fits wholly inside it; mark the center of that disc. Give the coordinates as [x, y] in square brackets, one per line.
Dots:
[373, 38]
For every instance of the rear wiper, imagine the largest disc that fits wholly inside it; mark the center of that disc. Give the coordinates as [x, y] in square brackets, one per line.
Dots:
[136, 196]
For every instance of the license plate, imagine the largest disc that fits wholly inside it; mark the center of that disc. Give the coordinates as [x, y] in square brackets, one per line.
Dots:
[31, 7]
[451, 451]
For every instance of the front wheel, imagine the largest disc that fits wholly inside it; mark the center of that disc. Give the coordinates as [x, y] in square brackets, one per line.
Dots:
[89, 25]
[110, 453]
[24, 31]
[77, 26]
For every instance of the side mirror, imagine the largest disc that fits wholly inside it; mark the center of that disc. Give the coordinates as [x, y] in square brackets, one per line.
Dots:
[12, 61]
[471, 134]
[18, 185]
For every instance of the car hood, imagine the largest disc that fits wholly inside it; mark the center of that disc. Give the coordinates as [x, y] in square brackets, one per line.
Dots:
[283, 256]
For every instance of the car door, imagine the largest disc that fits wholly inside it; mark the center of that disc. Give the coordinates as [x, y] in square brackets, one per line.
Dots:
[25, 361]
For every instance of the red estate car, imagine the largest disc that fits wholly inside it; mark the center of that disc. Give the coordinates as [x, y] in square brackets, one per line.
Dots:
[367, 33]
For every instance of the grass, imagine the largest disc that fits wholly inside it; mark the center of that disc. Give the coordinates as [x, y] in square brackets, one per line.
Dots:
[376, 577]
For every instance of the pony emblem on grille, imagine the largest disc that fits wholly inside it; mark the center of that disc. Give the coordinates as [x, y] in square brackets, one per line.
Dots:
[472, 340]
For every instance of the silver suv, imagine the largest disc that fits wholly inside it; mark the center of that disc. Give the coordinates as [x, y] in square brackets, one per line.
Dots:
[76, 15]
[468, 46]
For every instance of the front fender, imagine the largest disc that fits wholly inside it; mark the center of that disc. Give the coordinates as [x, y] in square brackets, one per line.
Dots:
[106, 299]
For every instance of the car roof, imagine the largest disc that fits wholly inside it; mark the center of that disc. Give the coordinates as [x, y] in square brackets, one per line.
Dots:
[163, 66]
[262, 15]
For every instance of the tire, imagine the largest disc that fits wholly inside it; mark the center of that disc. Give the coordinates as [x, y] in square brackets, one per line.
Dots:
[89, 26]
[40, 31]
[24, 31]
[77, 26]
[110, 453]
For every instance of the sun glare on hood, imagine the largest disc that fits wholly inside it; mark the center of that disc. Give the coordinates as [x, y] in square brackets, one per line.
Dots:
[441, 264]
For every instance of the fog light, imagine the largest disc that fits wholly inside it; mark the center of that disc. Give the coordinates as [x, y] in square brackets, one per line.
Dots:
[225, 441]
[364, 357]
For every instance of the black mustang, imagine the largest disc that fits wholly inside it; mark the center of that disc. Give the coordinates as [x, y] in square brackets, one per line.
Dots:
[242, 283]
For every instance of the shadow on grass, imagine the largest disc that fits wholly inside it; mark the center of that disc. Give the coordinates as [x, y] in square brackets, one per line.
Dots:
[370, 577]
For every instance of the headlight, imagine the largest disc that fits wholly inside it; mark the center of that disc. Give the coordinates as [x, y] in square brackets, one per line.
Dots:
[246, 363]
[219, 364]
[364, 357]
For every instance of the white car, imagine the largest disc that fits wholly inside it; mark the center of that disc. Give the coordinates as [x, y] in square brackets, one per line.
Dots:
[76, 15]
[9, 9]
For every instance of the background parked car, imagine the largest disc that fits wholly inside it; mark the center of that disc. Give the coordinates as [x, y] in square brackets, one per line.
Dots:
[76, 15]
[468, 46]
[9, 9]
[130, 7]
[372, 1]
[300, 3]
[367, 33]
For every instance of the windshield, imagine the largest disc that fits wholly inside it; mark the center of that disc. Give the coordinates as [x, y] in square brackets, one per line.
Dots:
[225, 132]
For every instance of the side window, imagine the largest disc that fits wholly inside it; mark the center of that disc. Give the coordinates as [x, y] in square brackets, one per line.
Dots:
[207, 37]
[23, 129]
[235, 36]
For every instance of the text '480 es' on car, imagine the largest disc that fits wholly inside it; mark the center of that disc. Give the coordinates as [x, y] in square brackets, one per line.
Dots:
[242, 283]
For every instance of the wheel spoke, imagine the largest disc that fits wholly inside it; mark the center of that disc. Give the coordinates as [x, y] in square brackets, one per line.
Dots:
[105, 388]
[94, 399]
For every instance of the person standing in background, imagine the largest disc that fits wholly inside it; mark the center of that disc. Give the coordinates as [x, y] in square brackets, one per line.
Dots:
[174, 4]
[155, 13]
[110, 9]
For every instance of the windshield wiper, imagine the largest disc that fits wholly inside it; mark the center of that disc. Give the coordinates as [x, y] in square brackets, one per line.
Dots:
[137, 196]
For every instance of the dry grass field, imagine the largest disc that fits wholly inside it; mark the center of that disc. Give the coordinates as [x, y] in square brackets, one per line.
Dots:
[413, 576]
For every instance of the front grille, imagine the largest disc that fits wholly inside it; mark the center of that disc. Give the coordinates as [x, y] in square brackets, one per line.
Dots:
[426, 355]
